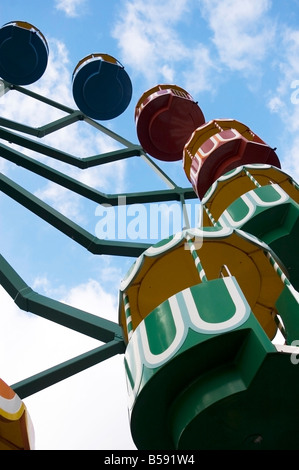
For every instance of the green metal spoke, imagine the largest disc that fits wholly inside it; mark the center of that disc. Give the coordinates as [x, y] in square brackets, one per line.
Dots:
[38, 97]
[79, 162]
[51, 174]
[109, 132]
[78, 320]
[158, 170]
[44, 130]
[66, 369]
[67, 226]
[80, 188]
[27, 299]
[51, 127]
[74, 115]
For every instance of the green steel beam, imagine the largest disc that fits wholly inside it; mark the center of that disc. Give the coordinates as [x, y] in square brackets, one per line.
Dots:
[44, 130]
[75, 115]
[80, 188]
[66, 369]
[78, 320]
[67, 226]
[4, 87]
[79, 116]
[38, 97]
[82, 163]
[158, 171]
[51, 174]
[29, 300]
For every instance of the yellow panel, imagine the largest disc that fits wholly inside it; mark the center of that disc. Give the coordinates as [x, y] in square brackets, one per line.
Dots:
[265, 318]
[163, 276]
[170, 274]
[13, 434]
[228, 190]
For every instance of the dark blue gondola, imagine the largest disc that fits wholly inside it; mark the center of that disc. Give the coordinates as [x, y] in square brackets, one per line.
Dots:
[102, 88]
[23, 53]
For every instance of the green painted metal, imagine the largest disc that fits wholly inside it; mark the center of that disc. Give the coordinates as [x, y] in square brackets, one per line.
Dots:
[288, 307]
[199, 385]
[82, 163]
[86, 191]
[202, 374]
[201, 371]
[24, 297]
[67, 226]
[67, 316]
[76, 319]
[66, 369]
[271, 215]
[204, 338]
[258, 414]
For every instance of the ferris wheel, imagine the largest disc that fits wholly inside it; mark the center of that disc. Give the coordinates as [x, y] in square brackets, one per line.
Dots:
[198, 311]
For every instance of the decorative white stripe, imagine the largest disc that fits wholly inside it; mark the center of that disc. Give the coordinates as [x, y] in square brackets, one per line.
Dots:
[284, 348]
[155, 360]
[125, 282]
[252, 201]
[240, 315]
[219, 232]
[283, 197]
[252, 238]
[158, 250]
[209, 192]
[294, 292]
[135, 365]
[12, 405]
[226, 218]
[232, 174]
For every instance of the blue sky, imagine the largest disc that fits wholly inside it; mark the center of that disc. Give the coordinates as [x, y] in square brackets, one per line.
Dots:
[237, 59]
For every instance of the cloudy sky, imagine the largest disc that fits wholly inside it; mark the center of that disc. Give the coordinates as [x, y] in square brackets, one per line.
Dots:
[237, 59]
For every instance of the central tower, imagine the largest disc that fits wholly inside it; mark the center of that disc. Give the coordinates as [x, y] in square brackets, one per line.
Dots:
[200, 310]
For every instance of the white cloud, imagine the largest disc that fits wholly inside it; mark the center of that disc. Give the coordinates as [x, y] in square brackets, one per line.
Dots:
[71, 8]
[147, 34]
[54, 342]
[41, 282]
[151, 40]
[242, 32]
[66, 202]
[93, 402]
[286, 67]
[86, 414]
[92, 298]
[49, 342]
[284, 101]
[139, 30]
[199, 75]
[167, 73]
[275, 104]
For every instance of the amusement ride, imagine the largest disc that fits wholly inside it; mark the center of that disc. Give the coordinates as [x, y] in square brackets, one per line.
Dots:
[199, 310]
